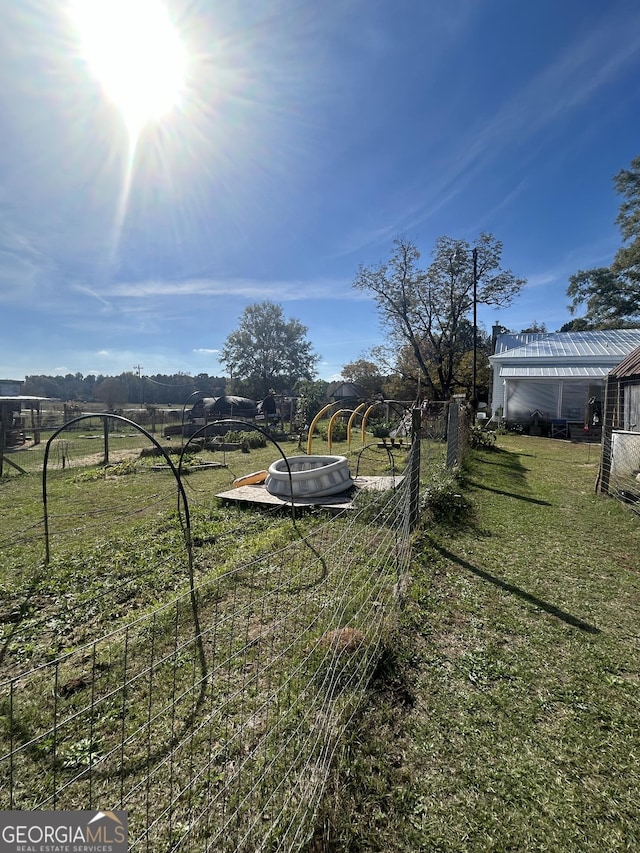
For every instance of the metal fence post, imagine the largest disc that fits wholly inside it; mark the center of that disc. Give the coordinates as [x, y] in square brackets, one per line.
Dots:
[105, 431]
[456, 444]
[604, 472]
[414, 484]
[452, 432]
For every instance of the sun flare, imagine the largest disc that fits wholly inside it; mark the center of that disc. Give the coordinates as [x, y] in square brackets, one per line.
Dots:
[135, 52]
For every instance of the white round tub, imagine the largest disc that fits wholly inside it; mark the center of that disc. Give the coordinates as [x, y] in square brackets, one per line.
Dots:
[311, 476]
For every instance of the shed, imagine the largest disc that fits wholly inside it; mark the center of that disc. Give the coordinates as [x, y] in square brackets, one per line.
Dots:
[347, 391]
[211, 408]
[560, 376]
[208, 410]
[13, 423]
[620, 458]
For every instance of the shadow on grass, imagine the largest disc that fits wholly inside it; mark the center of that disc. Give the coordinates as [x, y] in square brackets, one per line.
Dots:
[508, 460]
[516, 590]
[20, 612]
[501, 464]
[477, 485]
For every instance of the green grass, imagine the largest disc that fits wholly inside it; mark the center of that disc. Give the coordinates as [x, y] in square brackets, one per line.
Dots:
[120, 520]
[509, 717]
[506, 716]
[105, 626]
[86, 499]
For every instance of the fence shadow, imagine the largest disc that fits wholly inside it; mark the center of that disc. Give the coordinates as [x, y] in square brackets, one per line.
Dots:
[515, 495]
[569, 618]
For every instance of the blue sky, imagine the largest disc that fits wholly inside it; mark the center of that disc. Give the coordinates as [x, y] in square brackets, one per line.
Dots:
[308, 137]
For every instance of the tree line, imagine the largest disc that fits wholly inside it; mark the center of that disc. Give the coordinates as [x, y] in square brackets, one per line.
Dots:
[125, 388]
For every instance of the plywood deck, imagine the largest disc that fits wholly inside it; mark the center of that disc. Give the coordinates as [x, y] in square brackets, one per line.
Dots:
[258, 494]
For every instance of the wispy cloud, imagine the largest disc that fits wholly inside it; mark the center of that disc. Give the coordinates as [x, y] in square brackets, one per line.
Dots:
[22, 267]
[558, 89]
[281, 290]
[525, 121]
[541, 279]
[583, 257]
[90, 292]
[489, 217]
[594, 61]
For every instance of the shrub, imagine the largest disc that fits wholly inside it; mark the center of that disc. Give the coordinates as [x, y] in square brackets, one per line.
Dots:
[482, 438]
[442, 500]
[338, 431]
[381, 430]
[247, 440]
[511, 427]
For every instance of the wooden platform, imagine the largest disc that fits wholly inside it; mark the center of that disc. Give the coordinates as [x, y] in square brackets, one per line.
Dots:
[258, 494]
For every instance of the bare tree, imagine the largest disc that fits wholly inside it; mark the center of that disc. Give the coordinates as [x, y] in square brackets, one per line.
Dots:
[427, 310]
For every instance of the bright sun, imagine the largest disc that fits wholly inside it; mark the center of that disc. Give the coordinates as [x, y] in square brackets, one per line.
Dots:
[136, 53]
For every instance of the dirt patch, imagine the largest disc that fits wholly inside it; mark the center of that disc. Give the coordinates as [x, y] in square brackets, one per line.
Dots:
[115, 457]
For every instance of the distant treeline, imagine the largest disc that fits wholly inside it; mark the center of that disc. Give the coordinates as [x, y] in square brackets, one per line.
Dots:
[125, 388]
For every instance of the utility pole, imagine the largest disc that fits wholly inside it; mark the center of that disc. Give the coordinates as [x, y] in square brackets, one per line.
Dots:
[139, 368]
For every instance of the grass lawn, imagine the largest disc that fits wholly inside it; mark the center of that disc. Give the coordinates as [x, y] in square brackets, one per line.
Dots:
[510, 720]
[115, 543]
[107, 695]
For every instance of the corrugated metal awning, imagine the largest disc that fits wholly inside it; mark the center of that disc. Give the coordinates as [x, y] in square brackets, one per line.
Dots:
[569, 371]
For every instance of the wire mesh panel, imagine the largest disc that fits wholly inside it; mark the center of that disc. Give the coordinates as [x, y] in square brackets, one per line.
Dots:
[619, 474]
[210, 718]
[624, 473]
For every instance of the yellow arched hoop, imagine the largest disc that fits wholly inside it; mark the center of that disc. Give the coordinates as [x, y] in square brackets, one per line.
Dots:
[350, 424]
[313, 426]
[364, 418]
[331, 422]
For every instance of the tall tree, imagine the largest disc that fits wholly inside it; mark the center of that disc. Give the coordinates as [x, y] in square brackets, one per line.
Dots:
[427, 311]
[410, 376]
[366, 374]
[267, 351]
[611, 295]
[111, 391]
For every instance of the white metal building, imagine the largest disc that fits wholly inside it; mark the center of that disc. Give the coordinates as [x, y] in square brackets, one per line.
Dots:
[556, 376]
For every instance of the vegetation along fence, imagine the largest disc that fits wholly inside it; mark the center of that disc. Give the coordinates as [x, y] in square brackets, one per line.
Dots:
[198, 678]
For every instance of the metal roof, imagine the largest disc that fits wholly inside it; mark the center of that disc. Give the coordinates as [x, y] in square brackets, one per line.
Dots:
[629, 367]
[21, 398]
[610, 345]
[510, 341]
[569, 371]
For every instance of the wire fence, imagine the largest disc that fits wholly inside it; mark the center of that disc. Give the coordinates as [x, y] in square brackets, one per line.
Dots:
[619, 474]
[208, 709]
[228, 751]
